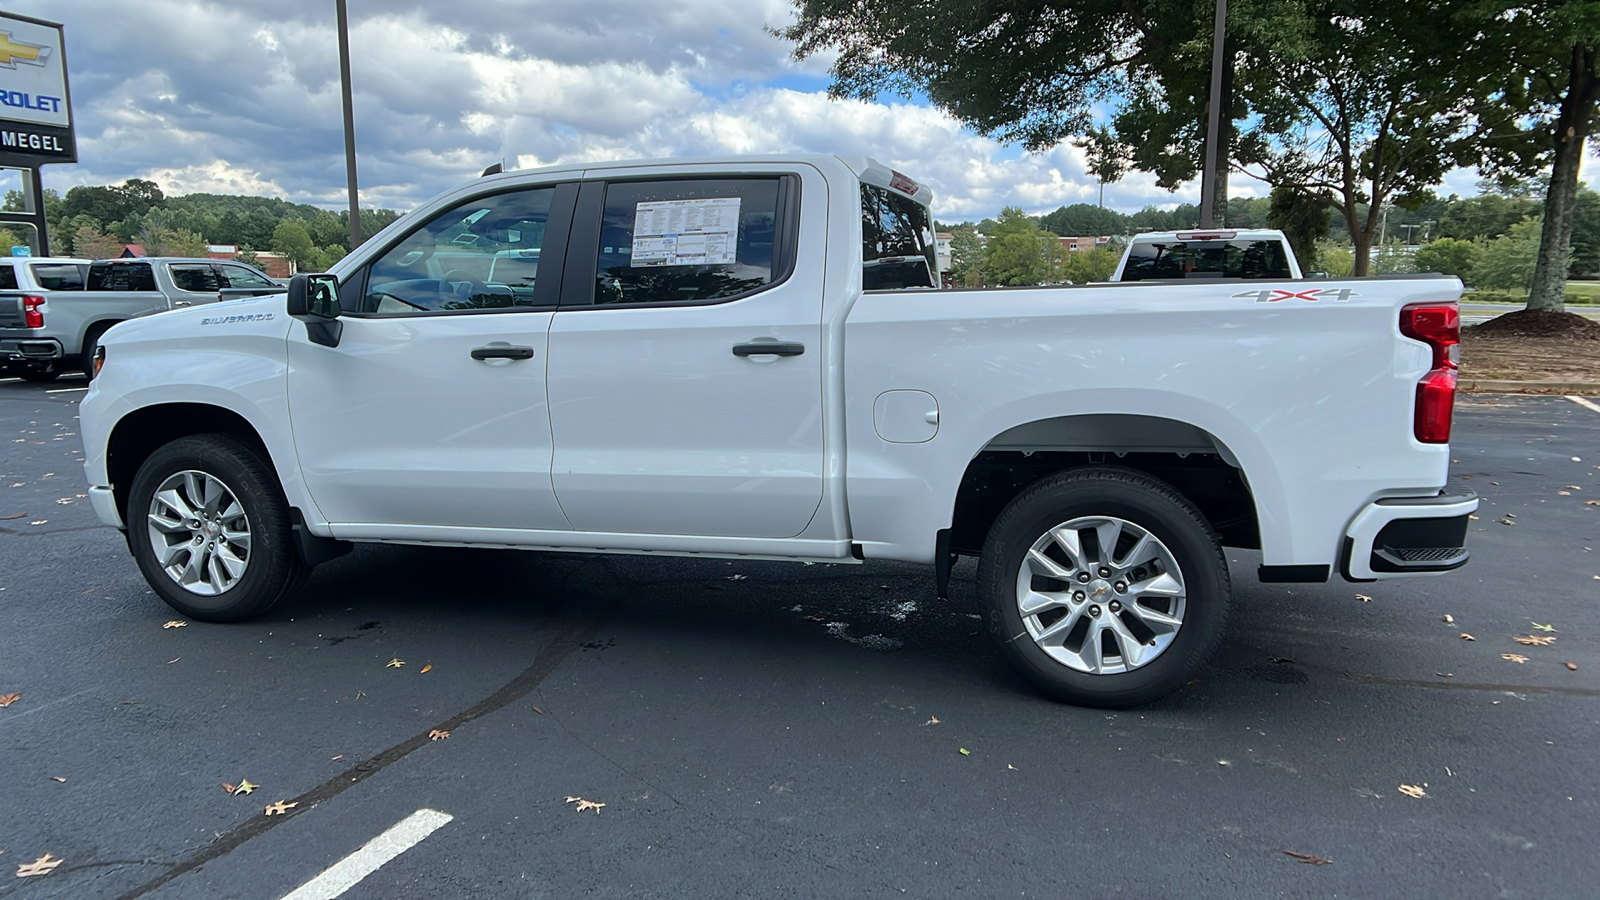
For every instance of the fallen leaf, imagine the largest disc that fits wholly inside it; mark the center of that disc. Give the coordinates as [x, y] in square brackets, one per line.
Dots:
[538, 710]
[40, 522]
[438, 734]
[1449, 619]
[244, 787]
[1363, 598]
[965, 751]
[1542, 627]
[737, 577]
[337, 758]
[425, 668]
[586, 804]
[394, 663]
[1445, 674]
[173, 660]
[1413, 791]
[20, 515]
[8, 699]
[1563, 493]
[1011, 767]
[1507, 522]
[1467, 637]
[1572, 667]
[1472, 517]
[1591, 503]
[1533, 640]
[1308, 858]
[58, 778]
[40, 866]
[279, 808]
[176, 623]
[932, 720]
[1573, 487]
[1517, 658]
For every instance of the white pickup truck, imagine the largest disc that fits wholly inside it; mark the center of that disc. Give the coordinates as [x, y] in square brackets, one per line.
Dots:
[698, 359]
[1246, 253]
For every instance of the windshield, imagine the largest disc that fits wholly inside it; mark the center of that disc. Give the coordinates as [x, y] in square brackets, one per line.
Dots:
[1241, 258]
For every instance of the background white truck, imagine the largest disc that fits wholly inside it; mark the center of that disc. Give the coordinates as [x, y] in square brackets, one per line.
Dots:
[696, 359]
[1253, 253]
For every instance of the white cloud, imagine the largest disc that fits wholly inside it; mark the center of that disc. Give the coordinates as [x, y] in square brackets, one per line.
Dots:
[231, 97]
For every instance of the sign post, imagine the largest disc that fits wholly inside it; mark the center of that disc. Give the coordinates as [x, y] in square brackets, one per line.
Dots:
[35, 111]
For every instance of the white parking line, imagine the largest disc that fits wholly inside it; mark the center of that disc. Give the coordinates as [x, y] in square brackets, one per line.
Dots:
[65, 390]
[1582, 402]
[346, 873]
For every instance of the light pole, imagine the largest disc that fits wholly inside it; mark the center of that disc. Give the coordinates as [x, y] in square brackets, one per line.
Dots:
[349, 125]
[1208, 175]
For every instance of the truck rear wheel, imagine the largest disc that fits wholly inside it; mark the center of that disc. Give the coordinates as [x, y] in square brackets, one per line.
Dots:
[211, 531]
[1104, 587]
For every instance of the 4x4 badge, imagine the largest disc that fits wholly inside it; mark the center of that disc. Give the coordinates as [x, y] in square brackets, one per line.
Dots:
[1273, 295]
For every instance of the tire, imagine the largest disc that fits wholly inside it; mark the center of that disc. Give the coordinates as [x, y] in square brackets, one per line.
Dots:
[39, 373]
[245, 560]
[91, 341]
[1176, 588]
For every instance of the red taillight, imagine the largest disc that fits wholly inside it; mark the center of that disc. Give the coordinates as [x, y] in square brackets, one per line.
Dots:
[32, 314]
[1439, 326]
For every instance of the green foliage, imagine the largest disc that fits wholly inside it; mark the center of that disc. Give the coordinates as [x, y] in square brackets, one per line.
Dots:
[1020, 252]
[90, 242]
[292, 240]
[1095, 264]
[1586, 233]
[966, 255]
[1302, 219]
[1484, 216]
[1335, 258]
[1449, 256]
[106, 204]
[1507, 261]
[1392, 259]
[1084, 220]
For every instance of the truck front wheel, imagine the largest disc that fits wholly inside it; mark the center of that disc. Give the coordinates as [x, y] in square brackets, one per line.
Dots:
[211, 531]
[1105, 587]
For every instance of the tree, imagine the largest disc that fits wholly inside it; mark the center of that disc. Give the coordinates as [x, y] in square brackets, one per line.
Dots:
[1558, 44]
[107, 204]
[1364, 103]
[1586, 233]
[1508, 261]
[1107, 159]
[1301, 218]
[966, 255]
[1448, 256]
[292, 240]
[1095, 264]
[327, 230]
[1486, 216]
[1084, 220]
[1020, 252]
[90, 242]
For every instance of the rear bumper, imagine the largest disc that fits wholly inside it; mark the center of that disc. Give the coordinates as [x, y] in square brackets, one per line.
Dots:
[1398, 537]
[14, 349]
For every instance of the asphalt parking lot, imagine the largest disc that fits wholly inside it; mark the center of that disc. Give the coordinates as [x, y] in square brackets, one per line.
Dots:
[777, 730]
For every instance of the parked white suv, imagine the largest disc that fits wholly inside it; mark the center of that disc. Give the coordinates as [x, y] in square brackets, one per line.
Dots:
[1254, 253]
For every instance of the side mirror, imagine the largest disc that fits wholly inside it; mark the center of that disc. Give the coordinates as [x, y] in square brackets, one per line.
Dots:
[314, 295]
[314, 299]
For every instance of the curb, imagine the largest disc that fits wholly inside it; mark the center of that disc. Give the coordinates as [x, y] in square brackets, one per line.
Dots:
[1505, 386]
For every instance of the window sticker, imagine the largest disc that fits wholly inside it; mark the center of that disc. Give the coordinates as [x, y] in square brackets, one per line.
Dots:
[699, 232]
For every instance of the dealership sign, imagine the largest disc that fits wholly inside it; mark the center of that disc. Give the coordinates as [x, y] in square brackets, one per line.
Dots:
[35, 106]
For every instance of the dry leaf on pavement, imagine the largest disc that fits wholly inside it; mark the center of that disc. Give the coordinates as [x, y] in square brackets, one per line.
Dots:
[58, 778]
[1542, 627]
[425, 668]
[40, 866]
[1517, 658]
[1467, 637]
[20, 515]
[395, 663]
[1449, 619]
[585, 804]
[8, 699]
[1591, 503]
[176, 623]
[1364, 598]
[1572, 667]
[965, 751]
[1308, 858]
[244, 787]
[1534, 640]
[932, 720]
[438, 734]
[279, 808]
[1412, 790]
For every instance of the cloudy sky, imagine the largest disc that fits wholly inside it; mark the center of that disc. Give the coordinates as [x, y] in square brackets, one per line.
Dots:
[243, 97]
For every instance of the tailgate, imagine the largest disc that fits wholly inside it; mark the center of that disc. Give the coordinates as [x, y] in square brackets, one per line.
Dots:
[11, 311]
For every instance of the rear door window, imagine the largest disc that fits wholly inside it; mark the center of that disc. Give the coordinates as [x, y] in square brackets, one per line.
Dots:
[242, 277]
[196, 278]
[688, 241]
[59, 276]
[121, 276]
[1242, 258]
[8, 277]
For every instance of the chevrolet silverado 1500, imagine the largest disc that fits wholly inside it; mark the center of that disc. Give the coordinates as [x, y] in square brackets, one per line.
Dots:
[747, 358]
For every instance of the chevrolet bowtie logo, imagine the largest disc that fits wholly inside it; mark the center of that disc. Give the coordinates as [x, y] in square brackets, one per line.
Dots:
[13, 52]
